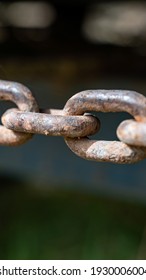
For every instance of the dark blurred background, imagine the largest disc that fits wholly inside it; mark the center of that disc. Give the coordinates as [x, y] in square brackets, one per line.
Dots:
[54, 205]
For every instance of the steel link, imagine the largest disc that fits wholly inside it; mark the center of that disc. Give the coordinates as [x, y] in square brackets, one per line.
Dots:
[21, 123]
[106, 151]
[105, 101]
[23, 98]
[108, 101]
[12, 138]
[51, 125]
[19, 94]
[132, 133]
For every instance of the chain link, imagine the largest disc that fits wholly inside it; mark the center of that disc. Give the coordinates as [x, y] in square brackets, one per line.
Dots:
[110, 101]
[23, 98]
[49, 124]
[75, 124]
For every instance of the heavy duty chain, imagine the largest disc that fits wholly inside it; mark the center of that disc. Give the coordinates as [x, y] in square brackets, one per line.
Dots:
[75, 124]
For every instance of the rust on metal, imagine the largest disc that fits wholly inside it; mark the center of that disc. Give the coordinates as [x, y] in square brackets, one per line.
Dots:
[18, 94]
[131, 102]
[74, 122]
[132, 133]
[107, 101]
[52, 125]
[106, 151]
[12, 138]
[23, 98]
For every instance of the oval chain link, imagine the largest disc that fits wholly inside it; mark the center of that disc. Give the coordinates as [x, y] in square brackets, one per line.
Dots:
[108, 101]
[20, 124]
[23, 98]
[52, 124]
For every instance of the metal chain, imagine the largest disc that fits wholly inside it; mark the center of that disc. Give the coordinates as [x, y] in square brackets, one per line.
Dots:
[24, 100]
[75, 124]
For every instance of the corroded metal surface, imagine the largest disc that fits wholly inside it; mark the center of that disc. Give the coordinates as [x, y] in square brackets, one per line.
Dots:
[21, 123]
[18, 94]
[106, 151]
[109, 101]
[53, 125]
[132, 133]
[131, 102]
[23, 98]
[12, 138]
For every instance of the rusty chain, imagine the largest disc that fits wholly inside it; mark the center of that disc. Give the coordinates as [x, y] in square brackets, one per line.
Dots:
[75, 124]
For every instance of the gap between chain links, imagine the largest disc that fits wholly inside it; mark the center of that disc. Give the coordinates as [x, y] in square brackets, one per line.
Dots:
[20, 124]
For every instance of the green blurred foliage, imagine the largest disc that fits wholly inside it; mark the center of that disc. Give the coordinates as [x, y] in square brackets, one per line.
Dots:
[54, 225]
